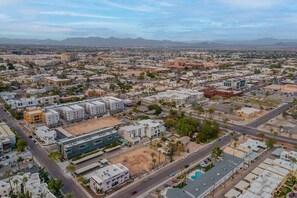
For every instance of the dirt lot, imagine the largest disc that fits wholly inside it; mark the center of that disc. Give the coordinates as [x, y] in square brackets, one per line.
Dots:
[92, 125]
[139, 161]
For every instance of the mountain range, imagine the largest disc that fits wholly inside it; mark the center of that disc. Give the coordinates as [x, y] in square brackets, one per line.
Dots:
[140, 42]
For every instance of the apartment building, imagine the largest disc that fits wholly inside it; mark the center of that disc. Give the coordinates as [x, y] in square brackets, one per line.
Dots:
[33, 185]
[51, 117]
[7, 139]
[23, 103]
[34, 115]
[114, 104]
[46, 135]
[95, 108]
[73, 113]
[144, 128]
[7, 96]
[108, 177]
[76, 146]
[49, 100]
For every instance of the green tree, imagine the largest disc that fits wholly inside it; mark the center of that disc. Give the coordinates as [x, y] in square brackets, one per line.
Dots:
[270, 143]
[70, 168]
[55, 186]
[21, 145]
[55, 155]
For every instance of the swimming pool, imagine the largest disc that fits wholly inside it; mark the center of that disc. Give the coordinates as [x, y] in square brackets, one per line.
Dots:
[196, 175]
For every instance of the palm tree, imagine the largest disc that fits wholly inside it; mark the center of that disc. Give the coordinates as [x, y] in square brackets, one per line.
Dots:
[8, 174]
[16, 182]
[25, 180]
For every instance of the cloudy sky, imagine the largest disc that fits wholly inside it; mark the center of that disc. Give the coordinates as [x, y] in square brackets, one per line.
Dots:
[182, 20]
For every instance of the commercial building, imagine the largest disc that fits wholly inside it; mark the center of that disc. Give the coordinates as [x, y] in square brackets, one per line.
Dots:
[108, 177]
[179, 97]
[34, 115]
[235, 83]
[7, 139]
[56, 81]
[23, 103]
[247, 112]
[73, 113]
[46, 135]
[51, 118]
[144, 128]
[76, 146]
[210, 180]
[69, 56]
[211, 92]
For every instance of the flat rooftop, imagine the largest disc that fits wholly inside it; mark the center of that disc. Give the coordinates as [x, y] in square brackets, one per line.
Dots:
[92, 125]
[196, 188]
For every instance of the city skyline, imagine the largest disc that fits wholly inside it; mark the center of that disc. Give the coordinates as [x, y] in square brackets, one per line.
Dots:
[149, 19]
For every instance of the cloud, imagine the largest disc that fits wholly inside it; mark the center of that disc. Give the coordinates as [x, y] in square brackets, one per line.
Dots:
[5, 18]
[253, 3]
[76, 14]
[141, 8]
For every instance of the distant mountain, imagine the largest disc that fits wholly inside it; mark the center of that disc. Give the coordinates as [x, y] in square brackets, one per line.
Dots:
[140, 42]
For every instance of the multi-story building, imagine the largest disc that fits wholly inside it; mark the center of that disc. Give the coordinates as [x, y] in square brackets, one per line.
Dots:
[46, 135]
[76, 146]
[56, 81]
[34, 115]
[49, 100]
[108, 177]
[51, 117]
[234, 83]
[114, 104]
[69, 56]
[95, 108]
[153, 128]
[33, 185]
[23, 103]
[143, 128]
[73, 113]
[7, 96]
[7, 139]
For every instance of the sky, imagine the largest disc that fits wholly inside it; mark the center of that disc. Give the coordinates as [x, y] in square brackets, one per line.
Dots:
[179, 20]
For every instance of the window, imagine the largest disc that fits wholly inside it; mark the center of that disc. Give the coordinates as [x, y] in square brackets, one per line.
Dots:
[98, 141]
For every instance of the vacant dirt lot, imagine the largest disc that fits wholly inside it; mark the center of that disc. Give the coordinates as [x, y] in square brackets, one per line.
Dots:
[92, 125]
[139, 161]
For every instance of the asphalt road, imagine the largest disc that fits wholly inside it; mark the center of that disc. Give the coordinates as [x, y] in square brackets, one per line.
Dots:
[261, 120]
[158, 177]
[53, 169]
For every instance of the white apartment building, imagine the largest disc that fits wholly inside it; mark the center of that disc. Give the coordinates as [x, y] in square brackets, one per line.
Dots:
[108, 177]
[95, 108]
[46, 135]
[7, 95]
[144, 128]
[34, 186]
[23, 103]
[51, 117]
[73, 113]
[153, 128]
[114, 104]
[35, 91]
[7, 139]
[49, 100]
